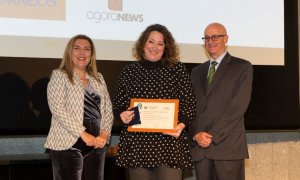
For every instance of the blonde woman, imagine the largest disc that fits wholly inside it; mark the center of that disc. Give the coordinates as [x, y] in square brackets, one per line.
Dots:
[81, 114]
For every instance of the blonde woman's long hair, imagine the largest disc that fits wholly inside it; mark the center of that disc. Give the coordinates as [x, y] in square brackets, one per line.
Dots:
[67, 64]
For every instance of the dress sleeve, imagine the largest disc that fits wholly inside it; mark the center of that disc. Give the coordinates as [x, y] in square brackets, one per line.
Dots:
[187, 102]
[121, 99]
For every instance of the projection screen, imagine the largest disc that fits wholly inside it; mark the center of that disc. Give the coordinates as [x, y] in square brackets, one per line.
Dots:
[41, 28]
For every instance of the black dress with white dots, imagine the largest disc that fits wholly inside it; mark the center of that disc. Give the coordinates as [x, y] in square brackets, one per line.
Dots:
[153, 80]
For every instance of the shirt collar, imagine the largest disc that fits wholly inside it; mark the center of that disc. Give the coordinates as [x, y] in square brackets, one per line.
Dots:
[218, 60]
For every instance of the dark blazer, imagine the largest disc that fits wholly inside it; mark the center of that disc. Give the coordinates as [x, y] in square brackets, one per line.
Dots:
[221, 108]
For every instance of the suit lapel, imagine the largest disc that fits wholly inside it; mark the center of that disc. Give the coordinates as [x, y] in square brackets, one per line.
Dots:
[219, 73]
[203, 76]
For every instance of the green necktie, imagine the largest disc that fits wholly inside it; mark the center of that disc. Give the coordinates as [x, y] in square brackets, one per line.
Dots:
[211, 72]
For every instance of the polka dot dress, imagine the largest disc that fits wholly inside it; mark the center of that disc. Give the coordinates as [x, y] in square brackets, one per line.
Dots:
[145, 79]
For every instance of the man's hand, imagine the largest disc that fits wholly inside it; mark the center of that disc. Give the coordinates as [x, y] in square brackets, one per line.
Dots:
[203, 139]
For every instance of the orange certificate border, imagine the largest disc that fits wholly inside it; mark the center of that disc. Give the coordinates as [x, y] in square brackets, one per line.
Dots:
[175, 101]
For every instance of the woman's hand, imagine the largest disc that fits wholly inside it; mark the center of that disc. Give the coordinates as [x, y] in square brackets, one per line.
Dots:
[88, 138]
[127, 116]
[101, 140]
[179, 128]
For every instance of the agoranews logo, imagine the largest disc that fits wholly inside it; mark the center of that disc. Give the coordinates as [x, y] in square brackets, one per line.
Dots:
[114, 5]
[33, 9]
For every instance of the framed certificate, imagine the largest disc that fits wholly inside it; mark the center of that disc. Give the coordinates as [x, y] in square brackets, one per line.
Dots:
[155, 115]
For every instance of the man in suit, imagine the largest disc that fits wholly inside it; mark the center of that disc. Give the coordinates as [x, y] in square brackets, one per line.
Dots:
[219, 144]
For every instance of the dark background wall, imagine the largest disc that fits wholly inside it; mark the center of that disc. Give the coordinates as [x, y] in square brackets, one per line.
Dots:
[24, 108]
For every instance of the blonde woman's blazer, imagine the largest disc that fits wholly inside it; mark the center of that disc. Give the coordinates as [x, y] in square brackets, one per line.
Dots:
[66, 102]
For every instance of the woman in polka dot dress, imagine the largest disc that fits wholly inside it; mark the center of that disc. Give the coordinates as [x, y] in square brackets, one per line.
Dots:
[157, 74]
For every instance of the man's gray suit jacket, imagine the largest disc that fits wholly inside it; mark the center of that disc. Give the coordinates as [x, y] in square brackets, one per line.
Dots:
[221, 108]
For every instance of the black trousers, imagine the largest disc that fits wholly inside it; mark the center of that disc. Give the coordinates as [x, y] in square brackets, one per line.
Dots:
[208, 169]
[72, 165]
[162, 172]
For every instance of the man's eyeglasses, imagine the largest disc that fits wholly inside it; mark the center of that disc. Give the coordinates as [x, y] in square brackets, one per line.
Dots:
[213, 38]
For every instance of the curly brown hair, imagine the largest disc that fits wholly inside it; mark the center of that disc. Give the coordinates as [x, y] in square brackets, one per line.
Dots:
[171, 52]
